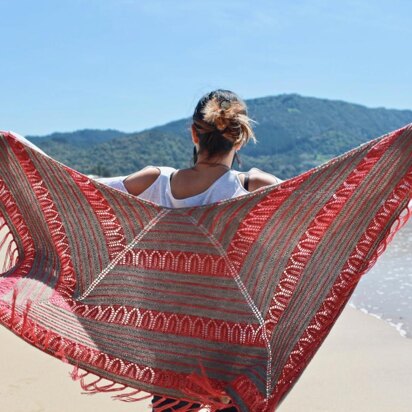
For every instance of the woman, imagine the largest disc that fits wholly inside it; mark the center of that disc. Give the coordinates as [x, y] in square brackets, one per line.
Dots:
[220, 128]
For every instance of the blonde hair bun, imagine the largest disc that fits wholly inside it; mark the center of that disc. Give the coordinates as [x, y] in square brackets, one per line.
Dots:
[230, 118]
[221, 121]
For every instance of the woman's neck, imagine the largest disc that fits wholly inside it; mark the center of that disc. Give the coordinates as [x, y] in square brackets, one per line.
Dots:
[222, 161]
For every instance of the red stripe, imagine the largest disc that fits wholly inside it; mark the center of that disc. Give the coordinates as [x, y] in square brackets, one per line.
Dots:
[212, 329]
[177, 262]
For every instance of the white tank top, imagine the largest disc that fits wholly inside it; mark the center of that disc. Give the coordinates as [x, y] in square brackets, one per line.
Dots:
[226, 186]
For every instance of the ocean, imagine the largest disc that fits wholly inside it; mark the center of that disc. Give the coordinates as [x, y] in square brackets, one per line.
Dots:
[385, 291]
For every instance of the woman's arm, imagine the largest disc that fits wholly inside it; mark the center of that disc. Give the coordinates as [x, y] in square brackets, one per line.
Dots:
[138, 182]
[259, 178]
[135, 183]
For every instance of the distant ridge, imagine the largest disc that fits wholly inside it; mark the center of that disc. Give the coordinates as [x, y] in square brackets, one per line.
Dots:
[82, 138]
[295, 133]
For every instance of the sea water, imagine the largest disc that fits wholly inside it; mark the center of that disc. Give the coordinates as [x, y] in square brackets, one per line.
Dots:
[385, 291]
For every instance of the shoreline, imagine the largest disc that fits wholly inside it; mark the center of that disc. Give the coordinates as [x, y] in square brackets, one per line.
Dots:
[364, 365]
[397, 326]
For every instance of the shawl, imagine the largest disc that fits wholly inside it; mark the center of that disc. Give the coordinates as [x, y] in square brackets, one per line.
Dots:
[223, 304]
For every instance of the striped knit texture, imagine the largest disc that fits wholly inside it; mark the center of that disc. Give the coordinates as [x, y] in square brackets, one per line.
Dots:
[232, 298]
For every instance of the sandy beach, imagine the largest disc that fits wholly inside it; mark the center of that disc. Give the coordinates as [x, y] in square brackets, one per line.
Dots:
[363, 366]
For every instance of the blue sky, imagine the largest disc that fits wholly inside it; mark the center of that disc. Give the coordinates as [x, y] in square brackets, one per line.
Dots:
[134, 64]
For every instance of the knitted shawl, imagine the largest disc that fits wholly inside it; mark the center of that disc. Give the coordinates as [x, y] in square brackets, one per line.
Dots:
[223, 304]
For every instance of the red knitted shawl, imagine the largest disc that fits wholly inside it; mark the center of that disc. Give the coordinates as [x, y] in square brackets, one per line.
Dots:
[232, 298]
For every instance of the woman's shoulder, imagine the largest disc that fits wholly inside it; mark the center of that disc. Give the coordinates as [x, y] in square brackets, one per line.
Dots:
[137, 182]
[258, 178]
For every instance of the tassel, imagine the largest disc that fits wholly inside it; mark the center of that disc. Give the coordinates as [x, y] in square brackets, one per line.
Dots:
[129, 397]
[4, 239]
[212, 397]
[75, 375]
[158, 406]
[13, 308]
[47, 340]
[25, 315]
[61, 353]
[8, 258]
[92, 387]
[10, 250]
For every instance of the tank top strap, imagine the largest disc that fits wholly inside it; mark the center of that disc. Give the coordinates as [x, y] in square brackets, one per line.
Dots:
[246, 181]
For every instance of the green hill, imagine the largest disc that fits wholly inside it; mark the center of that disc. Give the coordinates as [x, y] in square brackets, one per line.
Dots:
[294, 134]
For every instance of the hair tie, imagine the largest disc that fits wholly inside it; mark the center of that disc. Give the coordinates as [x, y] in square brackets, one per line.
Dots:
[225, 104]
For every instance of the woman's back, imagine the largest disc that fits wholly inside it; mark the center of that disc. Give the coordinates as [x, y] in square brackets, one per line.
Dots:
[185, 188]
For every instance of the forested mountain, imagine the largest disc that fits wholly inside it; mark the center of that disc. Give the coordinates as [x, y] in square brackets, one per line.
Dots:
[294, 134]
[79, 138]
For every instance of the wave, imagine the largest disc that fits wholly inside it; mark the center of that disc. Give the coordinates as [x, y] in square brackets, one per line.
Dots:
[399, 326]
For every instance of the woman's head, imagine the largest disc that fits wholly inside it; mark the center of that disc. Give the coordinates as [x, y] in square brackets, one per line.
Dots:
[221, 123]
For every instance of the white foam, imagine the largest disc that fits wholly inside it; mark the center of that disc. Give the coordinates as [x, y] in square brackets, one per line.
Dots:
[397, 326]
